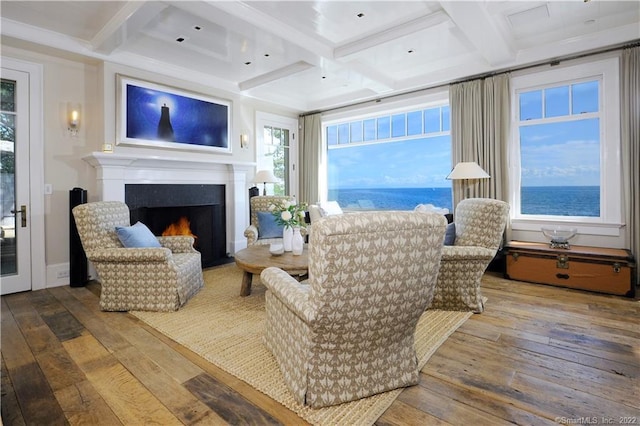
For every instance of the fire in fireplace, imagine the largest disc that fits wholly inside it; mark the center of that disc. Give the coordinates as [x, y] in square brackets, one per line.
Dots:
[181, 227]
[174, 209]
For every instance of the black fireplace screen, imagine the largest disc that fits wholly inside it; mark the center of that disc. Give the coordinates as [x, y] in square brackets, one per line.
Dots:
[174, 209]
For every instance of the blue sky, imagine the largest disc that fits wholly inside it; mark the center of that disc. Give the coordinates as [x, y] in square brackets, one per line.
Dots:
[418, 163]
[561, 154]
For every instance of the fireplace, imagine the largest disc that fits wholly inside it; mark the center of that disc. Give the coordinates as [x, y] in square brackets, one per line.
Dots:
[116, 170]
[200, 209]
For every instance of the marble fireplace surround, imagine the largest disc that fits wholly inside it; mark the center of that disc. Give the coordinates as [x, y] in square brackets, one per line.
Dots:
[114, 171]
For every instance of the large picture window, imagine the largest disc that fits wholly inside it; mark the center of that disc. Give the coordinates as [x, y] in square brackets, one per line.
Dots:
[390, 161]
[565, 148]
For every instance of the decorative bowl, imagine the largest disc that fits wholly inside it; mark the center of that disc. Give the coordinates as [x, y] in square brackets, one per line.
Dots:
[559, 236]
[276, 249]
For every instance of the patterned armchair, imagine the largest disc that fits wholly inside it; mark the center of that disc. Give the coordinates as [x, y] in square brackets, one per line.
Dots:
[261, 203]
[479, 224]
[348, 332]
[146, 279]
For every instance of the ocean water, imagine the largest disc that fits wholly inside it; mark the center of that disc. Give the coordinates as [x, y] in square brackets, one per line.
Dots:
[391, 198]
[546, 200]
[561, 200]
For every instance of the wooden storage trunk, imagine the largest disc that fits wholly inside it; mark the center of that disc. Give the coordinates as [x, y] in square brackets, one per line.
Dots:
[603, 270]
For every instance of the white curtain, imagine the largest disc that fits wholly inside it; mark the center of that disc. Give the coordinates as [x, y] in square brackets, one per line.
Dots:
[310, 157]
[480, 132]
[630, 135]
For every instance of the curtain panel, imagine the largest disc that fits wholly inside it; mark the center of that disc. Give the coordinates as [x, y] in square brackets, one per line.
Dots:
[630, 139]
[310, 157]
[480, 124]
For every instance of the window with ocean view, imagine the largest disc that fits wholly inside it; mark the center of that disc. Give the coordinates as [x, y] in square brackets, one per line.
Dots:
[565, 145]
[560, 150]
[391, 161]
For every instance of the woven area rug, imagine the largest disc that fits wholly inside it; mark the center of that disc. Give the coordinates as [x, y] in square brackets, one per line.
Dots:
[227, 330]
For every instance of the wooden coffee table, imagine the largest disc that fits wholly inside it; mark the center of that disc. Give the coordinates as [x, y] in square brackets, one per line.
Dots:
[256, 258]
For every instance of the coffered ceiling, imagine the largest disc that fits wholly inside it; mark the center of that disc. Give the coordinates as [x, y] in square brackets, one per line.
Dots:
[313, 55]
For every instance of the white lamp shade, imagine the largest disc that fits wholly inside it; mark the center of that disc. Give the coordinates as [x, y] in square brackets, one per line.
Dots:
[265, 176]
[468, 170]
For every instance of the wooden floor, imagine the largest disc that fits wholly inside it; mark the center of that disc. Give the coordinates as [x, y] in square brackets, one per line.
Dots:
[537, 355]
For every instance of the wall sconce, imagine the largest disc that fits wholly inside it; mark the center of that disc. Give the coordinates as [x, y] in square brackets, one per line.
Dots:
[244, 140]
[73, 118]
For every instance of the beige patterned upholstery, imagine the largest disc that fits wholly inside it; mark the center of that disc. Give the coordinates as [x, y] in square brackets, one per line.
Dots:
[144, 279]
[348, 332]
[261, 203]
[480, 224]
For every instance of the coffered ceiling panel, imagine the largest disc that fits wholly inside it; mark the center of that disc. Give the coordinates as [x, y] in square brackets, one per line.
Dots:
[313, 55]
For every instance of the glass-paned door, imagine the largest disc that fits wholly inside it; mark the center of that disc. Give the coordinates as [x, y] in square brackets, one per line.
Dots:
[277, 151]
[7, 176]
[15, 238]
[276, 143]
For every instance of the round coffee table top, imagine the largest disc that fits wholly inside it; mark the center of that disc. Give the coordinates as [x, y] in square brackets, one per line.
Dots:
[256, 258]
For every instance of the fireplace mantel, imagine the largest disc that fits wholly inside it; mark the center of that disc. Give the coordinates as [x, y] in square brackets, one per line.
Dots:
[114, 171]
[101, 159]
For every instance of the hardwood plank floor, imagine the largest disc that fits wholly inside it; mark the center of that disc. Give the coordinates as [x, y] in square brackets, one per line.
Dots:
[537, 355]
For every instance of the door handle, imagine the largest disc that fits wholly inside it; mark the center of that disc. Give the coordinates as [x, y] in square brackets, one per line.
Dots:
[23, 215]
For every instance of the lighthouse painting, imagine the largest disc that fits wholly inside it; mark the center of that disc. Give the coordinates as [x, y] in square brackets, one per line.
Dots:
[163, 117]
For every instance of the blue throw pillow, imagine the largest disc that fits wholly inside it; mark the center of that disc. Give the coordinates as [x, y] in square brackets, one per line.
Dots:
[268, 227]
[137, 236]
[450, 234]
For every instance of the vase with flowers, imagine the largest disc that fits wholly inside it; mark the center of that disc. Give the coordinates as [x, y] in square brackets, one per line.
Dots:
[289, 215]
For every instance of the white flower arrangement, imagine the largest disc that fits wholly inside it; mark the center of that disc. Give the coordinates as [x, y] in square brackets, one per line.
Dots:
[289, 214]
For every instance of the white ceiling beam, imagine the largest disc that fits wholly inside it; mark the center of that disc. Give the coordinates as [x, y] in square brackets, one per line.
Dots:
[583, 43]
[274, 75]
[274, 26]
[473, 20]
[385, 36]
[379, 82]
[44, 37]
[125, 25]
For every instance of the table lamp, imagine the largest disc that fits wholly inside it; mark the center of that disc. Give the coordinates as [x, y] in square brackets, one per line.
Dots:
[265, 177]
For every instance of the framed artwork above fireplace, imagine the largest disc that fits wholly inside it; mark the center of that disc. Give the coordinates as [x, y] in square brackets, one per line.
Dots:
[158, 116]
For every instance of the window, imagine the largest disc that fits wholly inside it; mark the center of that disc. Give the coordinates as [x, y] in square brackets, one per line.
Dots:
[276, 146]
[277, 151]
[560, 150]
[565, 146]
[390, 160]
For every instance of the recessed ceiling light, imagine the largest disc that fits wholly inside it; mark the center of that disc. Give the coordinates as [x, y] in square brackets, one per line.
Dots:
[197, 28]
[410, 51]
[180, 39]
[248, 63]
[266, 55]
[323, 77]
[360, 15]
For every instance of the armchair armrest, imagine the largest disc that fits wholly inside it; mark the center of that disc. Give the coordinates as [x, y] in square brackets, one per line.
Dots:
[251, 233]
[289, 291]
[178, 243]
[124, 255]
[461, 253]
